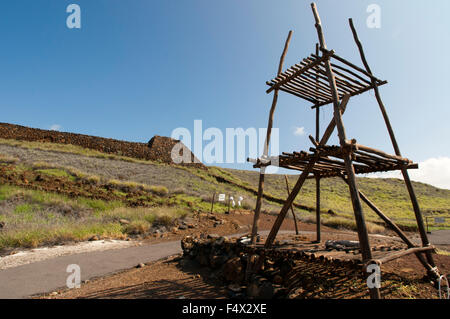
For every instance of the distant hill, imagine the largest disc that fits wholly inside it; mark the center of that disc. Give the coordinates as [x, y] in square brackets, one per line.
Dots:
[157, 149]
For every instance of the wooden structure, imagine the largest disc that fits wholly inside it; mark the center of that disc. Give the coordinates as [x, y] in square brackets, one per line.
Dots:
[326, 78]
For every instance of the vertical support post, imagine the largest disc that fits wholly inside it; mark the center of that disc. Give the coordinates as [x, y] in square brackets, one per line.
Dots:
[412, 195]
[258, 203]
[212, 201]
[292, 206]
[266, 146]
[318, 237]
[318, 222]
[298, 185]
[356, 202]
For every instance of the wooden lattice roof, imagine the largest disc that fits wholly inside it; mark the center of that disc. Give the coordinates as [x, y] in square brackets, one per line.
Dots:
[308, 79]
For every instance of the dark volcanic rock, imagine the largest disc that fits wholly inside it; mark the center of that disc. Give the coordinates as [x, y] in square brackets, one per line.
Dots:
[159, 148]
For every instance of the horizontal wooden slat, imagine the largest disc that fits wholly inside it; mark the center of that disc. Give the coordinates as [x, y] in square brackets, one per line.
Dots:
[308, 79]
[313, 64]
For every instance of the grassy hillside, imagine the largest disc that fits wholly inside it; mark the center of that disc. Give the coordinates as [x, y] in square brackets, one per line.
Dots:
[389, 194]
[100, 189]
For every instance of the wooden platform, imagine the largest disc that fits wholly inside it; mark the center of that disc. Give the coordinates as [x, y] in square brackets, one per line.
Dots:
[329, 160]
[308, 79]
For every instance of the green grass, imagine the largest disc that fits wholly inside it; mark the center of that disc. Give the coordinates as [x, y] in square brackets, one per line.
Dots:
[443, 252]
[348, 223]
[38, 218]
[23, 209]
[98, 205]
[56, 172]
[390, 195]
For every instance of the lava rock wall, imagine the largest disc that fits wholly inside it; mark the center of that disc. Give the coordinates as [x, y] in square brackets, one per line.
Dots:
[159, 148]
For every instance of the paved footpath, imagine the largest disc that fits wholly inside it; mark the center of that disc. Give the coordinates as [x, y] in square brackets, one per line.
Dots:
[440, 237]
[48, 275]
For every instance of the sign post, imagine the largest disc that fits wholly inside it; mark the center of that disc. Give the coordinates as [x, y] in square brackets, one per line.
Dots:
[212, 202]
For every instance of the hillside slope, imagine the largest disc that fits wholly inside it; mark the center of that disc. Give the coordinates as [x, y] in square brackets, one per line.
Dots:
[389, 194]
[157, 149]
[92, 182]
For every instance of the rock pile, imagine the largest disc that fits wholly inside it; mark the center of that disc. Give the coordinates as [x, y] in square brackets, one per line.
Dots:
[162, 229]
[229, 261]
[159, 148]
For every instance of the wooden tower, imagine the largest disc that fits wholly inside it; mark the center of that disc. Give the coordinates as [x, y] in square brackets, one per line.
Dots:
[324, 78]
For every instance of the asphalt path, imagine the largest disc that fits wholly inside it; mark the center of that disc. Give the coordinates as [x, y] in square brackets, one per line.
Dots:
[51, 274]
[48, 275]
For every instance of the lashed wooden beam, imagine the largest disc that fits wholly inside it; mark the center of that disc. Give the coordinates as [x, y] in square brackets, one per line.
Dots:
[266, 146]
[292, 206]
[353, 94]
[415, 203]
[409, 251]
[330, 128]
[357, 208]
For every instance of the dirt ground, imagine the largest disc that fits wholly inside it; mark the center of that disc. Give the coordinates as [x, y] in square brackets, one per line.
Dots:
[159, 280]
[171, 278]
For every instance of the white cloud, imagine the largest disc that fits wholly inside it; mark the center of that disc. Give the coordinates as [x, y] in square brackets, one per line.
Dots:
[55, 127]
[433, 171]
[299, 131]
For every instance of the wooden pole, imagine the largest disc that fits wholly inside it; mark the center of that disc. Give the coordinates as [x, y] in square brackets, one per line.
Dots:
[266, 146]
[414, 250]
[212, 202]
[392, 225]
[277, 224]
[292, 206]
[330, 128]
[318, 222]
[412, 195]
[356, 202]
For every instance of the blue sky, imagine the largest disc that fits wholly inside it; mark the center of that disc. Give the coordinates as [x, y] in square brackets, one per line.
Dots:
[139, 68]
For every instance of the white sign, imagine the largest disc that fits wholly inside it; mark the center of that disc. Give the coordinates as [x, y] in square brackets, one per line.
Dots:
[439, 220]
[221, 198]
